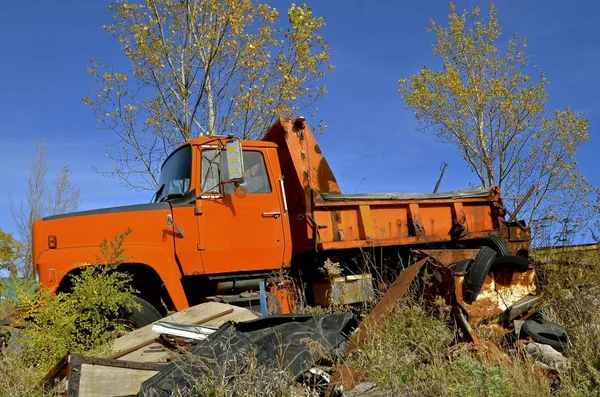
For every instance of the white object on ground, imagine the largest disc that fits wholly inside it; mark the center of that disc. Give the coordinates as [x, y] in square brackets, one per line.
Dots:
[547, 356]
[196, 332]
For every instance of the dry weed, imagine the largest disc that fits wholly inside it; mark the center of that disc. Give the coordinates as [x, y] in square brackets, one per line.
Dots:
[572, 299]
[413, 353]
[16, 379]
[234, 373]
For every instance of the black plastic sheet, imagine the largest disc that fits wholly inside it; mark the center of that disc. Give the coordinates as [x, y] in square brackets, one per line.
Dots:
[295, 343]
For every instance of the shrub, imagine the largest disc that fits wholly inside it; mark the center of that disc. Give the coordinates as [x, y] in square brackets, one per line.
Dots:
[81, 321]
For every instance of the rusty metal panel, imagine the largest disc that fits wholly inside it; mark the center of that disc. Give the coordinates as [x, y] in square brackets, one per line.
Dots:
[345, 378]
[479, 216]
[391, 222]
[499, 292]
[396, 291]
[330, 245]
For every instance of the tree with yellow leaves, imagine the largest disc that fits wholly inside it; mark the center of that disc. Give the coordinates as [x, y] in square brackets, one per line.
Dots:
[485, 102]
[202, 67]
[10, 248]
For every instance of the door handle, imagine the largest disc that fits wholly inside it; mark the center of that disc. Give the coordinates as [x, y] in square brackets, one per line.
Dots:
[171, 222]
[273, 214]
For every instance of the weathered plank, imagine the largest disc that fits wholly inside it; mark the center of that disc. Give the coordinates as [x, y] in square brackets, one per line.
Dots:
[154, 352]
[97, 380]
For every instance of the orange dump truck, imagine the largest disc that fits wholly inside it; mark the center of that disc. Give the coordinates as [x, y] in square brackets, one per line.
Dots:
[229, 214]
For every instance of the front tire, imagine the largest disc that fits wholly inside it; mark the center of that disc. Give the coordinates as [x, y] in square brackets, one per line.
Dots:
[142, 315]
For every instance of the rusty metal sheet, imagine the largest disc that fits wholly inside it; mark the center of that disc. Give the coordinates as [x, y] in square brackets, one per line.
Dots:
[396, 291]
[345, 378]
[499, 292]
[464, 324]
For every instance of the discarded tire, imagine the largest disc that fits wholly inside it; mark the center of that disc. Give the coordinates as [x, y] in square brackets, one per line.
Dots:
[546, 333]
[498, 245]
[460, 266]
[142, 316]
[477, 273]
[511, 262]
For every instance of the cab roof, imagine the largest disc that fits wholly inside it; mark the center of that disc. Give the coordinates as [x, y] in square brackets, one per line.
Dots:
[212, 139]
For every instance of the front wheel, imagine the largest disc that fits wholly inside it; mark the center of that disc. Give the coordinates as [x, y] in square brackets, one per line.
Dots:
[140, 316]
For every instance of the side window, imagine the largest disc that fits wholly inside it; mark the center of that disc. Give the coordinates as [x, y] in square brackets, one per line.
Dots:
[255, 173]
[214, 171]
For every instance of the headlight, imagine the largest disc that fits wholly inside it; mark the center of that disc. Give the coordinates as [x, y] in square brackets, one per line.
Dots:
[37, 275]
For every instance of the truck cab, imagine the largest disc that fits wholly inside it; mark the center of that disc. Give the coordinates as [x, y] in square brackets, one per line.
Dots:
[225, 223]
[219, 210]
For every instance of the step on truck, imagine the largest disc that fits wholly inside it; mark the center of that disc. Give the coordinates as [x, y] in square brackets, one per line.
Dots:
[229, 214]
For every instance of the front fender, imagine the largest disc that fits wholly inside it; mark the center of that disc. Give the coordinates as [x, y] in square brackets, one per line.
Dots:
[55, 264]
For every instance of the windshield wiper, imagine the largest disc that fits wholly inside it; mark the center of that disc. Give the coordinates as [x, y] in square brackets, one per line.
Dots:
[171, 196]
[158, 193]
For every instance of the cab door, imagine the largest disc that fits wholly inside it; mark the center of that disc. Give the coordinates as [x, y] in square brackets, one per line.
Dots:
[240, 233]
[183, 224]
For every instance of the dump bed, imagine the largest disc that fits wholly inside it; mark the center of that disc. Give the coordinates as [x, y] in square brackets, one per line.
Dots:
[358, 220]
[322, 218]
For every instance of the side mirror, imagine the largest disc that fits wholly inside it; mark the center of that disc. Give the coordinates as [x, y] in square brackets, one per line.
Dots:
[241, 189]
[235, 162]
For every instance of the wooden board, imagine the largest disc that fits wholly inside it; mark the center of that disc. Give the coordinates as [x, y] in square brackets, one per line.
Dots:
[102, 381]
[90, 376]
[155, 352]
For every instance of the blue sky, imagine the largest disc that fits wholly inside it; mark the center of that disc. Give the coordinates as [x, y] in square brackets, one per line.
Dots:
[371, 142]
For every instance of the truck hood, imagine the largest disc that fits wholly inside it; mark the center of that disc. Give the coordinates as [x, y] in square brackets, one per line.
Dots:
[111, 210]
[89, 228]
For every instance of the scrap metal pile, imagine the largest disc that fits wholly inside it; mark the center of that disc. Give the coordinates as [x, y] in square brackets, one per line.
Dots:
[494, 289]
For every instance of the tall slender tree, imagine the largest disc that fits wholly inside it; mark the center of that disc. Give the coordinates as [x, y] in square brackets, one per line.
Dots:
[39, 201]
[490, 104]
[202, 67]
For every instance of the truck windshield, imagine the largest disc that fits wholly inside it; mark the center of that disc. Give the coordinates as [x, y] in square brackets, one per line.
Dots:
[175, 174]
